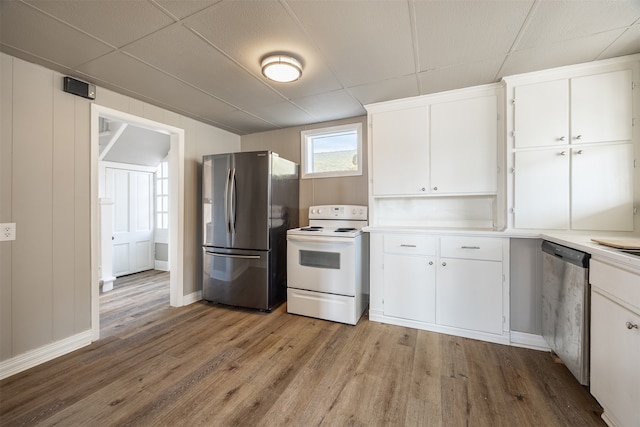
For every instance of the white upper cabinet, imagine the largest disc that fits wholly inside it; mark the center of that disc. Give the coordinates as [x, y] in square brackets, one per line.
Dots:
[542, 189]
[541, 114]
[602, 187]
[601, 107]
[596, 108]
[573, 149]
[400, 151]
[444, 144]
[464, 150]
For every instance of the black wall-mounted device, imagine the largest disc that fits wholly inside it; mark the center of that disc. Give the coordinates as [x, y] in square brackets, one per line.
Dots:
[80, 88]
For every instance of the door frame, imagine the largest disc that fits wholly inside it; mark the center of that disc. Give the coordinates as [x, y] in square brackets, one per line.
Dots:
[176, 206]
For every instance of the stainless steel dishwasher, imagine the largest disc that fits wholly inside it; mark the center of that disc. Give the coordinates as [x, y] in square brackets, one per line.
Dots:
[566, 306]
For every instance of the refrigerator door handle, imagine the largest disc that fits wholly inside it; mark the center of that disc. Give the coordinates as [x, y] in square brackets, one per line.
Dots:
[226, 202]
[234, 256]
[232, 208]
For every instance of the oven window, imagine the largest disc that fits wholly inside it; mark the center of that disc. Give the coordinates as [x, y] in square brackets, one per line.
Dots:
[320, 259]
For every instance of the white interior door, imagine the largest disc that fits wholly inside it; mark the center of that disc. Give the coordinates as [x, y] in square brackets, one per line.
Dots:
[132, 195]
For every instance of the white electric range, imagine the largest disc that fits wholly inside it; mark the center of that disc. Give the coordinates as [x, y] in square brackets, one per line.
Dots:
[328, 264]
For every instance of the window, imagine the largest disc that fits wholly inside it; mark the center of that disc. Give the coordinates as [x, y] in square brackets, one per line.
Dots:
[162, 196]
[331, 152]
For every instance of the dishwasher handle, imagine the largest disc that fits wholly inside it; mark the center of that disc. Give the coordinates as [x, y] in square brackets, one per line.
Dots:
[570, 255]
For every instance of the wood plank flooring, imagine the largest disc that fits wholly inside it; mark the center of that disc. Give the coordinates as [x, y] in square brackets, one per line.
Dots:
[208, 365]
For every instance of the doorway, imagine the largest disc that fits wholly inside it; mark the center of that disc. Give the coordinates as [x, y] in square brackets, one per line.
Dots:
[175, 208]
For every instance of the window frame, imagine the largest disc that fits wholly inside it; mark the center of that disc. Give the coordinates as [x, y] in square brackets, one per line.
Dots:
[161, 177]
[306, 136]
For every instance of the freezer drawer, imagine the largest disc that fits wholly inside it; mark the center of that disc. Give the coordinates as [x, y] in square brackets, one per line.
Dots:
[239, 278]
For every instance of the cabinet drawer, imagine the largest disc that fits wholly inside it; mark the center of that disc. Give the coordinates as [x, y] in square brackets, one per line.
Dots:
[410, 244]
[484, 248]
[620, 283]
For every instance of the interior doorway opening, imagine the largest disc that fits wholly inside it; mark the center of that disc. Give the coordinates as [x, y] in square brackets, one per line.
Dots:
[114, 182]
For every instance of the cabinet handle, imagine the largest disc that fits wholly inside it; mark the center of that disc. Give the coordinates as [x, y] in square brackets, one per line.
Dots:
[562, 138]
[579, 152]
[435, 188]
[430, 262]
[423, 189]
[632, 325]
[562, 153]
[444, 264]
[407, 246]
[469, 247]
[579, 137]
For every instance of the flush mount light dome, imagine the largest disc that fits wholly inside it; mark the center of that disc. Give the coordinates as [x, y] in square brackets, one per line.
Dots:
[281, 68]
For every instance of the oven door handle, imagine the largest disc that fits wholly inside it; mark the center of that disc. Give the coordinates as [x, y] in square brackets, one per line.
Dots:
[320, 239]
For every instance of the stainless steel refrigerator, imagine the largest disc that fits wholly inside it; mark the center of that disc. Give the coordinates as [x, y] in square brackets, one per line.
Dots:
[250, 200]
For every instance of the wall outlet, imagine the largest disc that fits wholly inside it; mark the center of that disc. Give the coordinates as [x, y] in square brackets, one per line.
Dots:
[7, 231]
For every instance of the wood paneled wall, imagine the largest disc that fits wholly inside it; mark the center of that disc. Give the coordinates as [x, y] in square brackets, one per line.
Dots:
[45, 171]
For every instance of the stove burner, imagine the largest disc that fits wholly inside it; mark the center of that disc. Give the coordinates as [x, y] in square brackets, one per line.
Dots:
[345, 229]
[312, 228]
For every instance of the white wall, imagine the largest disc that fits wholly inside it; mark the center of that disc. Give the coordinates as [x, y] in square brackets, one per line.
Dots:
[45, 274]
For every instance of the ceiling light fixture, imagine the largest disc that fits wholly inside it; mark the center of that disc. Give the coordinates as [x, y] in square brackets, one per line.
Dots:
[281, 68]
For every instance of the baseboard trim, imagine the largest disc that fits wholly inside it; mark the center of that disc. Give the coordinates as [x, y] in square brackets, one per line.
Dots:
[191, 298]
[378, 316]
[32, 358]
[161, 265]
[526, 340]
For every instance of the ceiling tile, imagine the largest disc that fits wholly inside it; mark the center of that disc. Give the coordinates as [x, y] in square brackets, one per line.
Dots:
[351, 37]
[248, 31]
[181, 8]
[555, 21]
[558, 54]
[181, 53]
[284, 114]
[45, 37]
[241, 122]
[114, 22]
[386, 90]
[126, 72]
[627, 44]
[331, 105]
[458, 32]
[472, 74]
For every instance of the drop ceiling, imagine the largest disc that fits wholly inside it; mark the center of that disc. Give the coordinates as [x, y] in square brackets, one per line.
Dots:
[201, 58]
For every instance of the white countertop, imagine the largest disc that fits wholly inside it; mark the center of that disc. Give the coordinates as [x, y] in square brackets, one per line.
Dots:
[582, 242]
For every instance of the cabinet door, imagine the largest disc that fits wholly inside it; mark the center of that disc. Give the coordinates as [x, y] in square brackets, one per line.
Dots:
[541, 114]
[464, 156]
[602, 187]
[400, 152]
[541, 182]
[409, 287]
[469, 294]
[601, 107]
[615, 372]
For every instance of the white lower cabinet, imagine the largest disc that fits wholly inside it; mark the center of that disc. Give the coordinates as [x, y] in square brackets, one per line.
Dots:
[410, 287]
[448, 284]
[469, 294]
[615, 343]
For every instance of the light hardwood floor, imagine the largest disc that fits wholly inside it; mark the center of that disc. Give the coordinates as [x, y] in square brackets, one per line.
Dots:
[207, 365]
